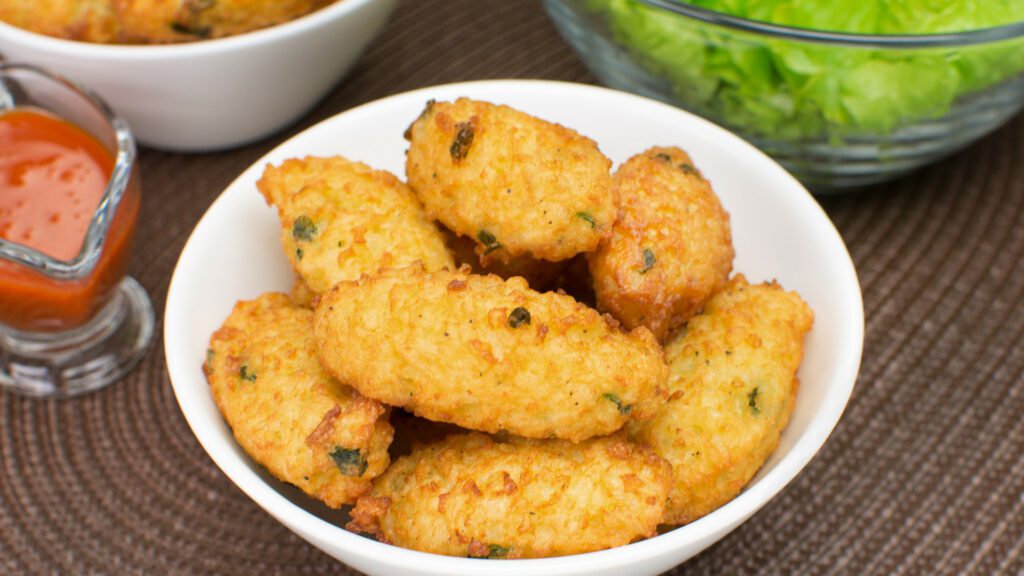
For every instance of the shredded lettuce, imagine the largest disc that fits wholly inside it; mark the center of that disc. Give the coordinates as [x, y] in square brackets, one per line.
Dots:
[791, 90]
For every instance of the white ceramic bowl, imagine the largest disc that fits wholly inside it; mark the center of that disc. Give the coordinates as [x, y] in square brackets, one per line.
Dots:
[778, 229]
[214, 94]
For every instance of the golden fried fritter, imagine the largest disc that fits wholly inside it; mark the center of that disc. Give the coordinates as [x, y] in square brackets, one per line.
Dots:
[671, 248]
[514, 183]
[305, 427]
[342, 219]
[733, 385]
[86, 20]
[488, 354]
[539, 274]
[471, 496]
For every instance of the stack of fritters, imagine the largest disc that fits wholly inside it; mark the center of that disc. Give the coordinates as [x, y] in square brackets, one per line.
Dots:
[595, 433]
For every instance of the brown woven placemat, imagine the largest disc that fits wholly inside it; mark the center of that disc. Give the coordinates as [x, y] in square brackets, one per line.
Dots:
[924, 474]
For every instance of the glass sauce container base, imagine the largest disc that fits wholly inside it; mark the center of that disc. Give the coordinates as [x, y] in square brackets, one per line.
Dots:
[66, 364]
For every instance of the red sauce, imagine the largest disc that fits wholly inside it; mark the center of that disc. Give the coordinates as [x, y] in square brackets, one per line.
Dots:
[52, 177]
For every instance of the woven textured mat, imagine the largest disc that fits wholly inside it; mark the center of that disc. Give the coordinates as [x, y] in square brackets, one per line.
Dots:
[924, 474]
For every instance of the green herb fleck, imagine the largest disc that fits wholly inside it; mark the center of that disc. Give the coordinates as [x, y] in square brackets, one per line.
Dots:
[304, 229]
[349, 460]
[648, 261]
[691, 169]
[181, 28]
[208, 364]
[463, 140]
[299, 253]
[752, 401]
[623, 408]
[518, 317]
[245, 373]
[488, 240]
[495, 551]
[586, 217]
[663, 157]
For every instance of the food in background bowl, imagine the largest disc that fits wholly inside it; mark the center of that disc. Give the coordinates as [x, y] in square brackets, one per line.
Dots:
[842, 93]
[220, 93]
[151, 21]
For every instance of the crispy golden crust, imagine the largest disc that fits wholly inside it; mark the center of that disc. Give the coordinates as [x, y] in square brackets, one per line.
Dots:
[471, 496]
[539, 274]
[514, 183]
[305, 427]
[488, 354]
[733, 385]
[150, 21]
[342, 219]
[671, 248]
[86, 20]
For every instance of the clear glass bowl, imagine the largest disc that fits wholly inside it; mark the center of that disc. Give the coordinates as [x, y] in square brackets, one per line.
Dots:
[838, 110]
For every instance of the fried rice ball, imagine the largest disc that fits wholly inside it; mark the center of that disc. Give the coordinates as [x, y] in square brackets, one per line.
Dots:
[342, 219]
[513, 183]
[286, 412]
[85, 20]
[488, 354]
[733, 385]
[671, 248]
[539, 274]
[471, 496]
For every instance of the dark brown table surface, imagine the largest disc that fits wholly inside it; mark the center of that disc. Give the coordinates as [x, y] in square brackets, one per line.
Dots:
[923, 475]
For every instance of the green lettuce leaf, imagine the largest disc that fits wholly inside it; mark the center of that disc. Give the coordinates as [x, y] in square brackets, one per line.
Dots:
[787, 89]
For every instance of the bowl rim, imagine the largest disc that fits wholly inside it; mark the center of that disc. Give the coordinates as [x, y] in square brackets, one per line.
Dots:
[318, 530]
[80, 49]
[896, 41]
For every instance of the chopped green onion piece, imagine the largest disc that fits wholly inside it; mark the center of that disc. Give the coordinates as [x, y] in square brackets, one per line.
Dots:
[463, 140]
[245, 373]
[349, 461]
[648, 261]
[623, 409]
[304, 228]
[518, 317]
[586, 217]
[488, 240]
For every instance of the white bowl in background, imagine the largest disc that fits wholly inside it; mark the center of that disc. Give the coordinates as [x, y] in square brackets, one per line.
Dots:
[214, 94]
[778, 229]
